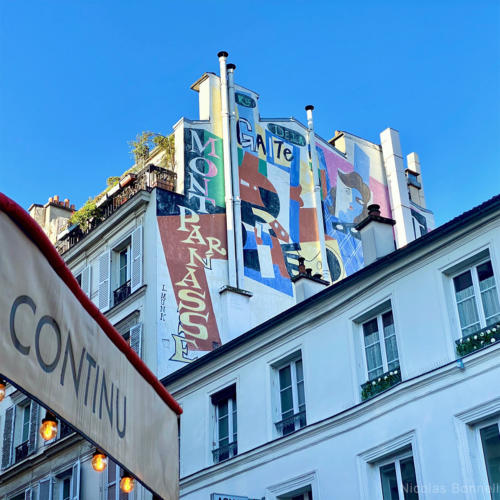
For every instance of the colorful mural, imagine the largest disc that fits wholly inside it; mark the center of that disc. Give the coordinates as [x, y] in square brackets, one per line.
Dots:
[278, 216]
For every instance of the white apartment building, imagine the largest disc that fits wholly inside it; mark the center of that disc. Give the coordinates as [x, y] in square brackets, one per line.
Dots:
[257, 215]
[382, 386]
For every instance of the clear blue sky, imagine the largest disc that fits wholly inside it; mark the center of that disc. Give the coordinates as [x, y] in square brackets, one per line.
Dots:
[81, 78]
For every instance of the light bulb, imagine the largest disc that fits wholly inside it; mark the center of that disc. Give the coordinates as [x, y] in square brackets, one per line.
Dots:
[2, 390]
[127, 484]
[48, 429]
[99, 461]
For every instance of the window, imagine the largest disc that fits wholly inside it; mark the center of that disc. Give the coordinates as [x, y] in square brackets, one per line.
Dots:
[20, 432]
[490, 441]
[120, 270]
[83, 279]
[301, 494]
[131, 330]
[225, 444]
[292, 404]
[113, 476]
[398, 478]
[63, 485]
[476, 297]
[381, 354]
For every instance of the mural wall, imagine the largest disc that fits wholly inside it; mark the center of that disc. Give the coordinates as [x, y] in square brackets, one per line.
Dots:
[278, 216]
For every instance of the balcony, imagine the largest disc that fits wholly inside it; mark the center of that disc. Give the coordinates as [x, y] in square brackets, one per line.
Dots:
[21, 451]
[121, 293]
[483, 338]
[379, 384]
[129, 186]
[224, 452]
[292, 423]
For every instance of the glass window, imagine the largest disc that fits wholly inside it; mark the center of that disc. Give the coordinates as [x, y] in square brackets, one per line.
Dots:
[226, 426]
[476, 296]
[26, 423]
[123, 270]
[398, 479]
[380, 356]
[292, 397]
[490, 439]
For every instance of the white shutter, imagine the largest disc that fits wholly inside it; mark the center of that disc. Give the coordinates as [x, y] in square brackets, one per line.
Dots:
[136, 339]
[75, 482]
[104, 263]
[136, 260]
[86, 280]
[8, 436]
[33, 432]
[28, 494]
[45, 489]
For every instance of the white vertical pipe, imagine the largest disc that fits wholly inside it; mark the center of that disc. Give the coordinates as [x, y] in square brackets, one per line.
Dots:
[240, 271]
[317, 192]
[228, 184]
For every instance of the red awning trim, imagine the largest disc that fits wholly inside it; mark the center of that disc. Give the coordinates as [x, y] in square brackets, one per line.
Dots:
[35, 233]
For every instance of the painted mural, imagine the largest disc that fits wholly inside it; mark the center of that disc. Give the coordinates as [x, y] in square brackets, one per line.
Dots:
[278, 216]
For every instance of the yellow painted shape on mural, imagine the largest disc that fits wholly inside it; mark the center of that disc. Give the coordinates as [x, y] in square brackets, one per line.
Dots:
[306, 178]
[216, 112]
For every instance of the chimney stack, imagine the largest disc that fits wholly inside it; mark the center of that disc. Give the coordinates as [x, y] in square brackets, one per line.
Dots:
[377, 236]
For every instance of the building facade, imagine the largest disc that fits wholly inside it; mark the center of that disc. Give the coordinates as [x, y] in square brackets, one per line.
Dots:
[186, 259]
[382, 386]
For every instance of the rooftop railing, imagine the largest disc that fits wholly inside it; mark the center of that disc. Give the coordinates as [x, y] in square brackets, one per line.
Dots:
[146, 179]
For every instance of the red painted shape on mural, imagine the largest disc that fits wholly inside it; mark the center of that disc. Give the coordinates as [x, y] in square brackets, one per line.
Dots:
[277, 257]
[188, 254]
[251, 180]
[308, 225]
[295, 192]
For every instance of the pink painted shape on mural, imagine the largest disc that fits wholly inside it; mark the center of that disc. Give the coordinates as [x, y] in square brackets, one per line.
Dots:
[380, 194]
[334, 162]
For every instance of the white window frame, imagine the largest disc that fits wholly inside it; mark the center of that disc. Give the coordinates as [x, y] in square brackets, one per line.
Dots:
[472, 267]
[396, 460]
[381, 341]
[276, 367]
[118, 475]
[215, 422]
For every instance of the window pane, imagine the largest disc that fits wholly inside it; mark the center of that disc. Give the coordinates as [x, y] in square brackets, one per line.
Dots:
[370, 330]
[387, 320]
[111, 471]
[286, 400]
[374, 361]
[223, 428]
[299, 370]
[463, 284]
[285, 377]
[66, 488]
[111, 492]
[300, 393]
[389, 482]
[491, 449]
[222, 409]
[484, 272]
[409, 479]
[391, 349]
[26, 423]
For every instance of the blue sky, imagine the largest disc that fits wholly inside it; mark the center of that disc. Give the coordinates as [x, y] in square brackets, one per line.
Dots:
[82, 78]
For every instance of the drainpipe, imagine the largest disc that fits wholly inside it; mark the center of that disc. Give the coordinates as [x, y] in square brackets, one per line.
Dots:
[240, 272]
[317, 192]
[228, 183]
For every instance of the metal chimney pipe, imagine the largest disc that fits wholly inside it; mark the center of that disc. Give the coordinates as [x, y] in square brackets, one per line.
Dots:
[317, 192]
[228, 182]
[240, 271]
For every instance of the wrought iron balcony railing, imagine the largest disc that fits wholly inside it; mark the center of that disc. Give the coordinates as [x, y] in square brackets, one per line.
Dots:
[292, 423]
[21, 451]
[379, 384]
[224, 452]
[483, 338]
[146, 179]
[121, 293]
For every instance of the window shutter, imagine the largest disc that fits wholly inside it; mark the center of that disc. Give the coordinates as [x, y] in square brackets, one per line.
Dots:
[34, 410]
[104, 280]
[28, 494]
[75, 483]
[86, 280]
[8, 434]
[45, 489]
[136, 260]
[136, 339]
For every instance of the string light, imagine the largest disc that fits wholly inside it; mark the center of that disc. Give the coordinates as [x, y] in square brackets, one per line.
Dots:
[127, 484]
[99, 461]
[48, 429]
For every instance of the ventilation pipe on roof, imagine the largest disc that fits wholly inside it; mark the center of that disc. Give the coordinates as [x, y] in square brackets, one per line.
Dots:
[240, 272]
[317, 192]
[228, 182]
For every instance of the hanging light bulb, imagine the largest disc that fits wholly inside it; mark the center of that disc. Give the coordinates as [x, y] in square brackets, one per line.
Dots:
[127, 483]
[48, 429]
[99, 461]
[2, 389]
